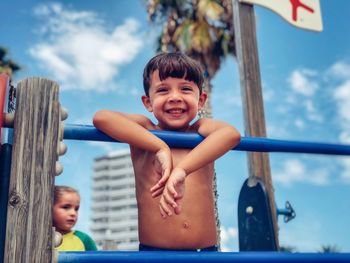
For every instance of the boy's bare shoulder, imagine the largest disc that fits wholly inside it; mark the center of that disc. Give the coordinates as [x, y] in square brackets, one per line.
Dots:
[141, 119]
[206, 126]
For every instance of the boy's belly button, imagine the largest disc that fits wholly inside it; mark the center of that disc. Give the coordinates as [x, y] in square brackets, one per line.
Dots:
[185, 225]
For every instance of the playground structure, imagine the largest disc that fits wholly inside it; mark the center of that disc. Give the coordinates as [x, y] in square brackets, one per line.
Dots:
[29, 166]
[27, 180]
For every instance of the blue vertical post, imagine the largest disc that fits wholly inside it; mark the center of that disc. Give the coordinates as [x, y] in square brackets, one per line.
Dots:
[5, 170]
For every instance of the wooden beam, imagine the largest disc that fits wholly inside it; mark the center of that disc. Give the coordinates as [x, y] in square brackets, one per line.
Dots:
[29, 218]
[252, 97]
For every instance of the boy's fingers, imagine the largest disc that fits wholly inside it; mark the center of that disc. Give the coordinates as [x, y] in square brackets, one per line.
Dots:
[169, 199]
[172, 190]
[162, 212]
[178, 208]
[165, 206]
[164, 178]
[161, 182]
[155, 187]
[157, 192]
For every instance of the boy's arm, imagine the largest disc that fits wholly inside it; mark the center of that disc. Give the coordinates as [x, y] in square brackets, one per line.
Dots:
[133, 129]
[128, 128]
[219, 138]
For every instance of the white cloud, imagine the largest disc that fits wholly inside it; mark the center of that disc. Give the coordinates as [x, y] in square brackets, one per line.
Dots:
[345, 173]
[342, 98]
[268, 94]
[299, 123]
[294, 171]
[312, 113]
[301, 82]
[229, 239]
[304, 84]
[340, 70]
[79, 51]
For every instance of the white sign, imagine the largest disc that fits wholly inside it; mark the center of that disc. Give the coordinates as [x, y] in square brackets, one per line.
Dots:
[301, 13]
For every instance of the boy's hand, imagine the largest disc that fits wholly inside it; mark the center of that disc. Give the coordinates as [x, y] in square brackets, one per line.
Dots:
[162, 165]
[173, 193]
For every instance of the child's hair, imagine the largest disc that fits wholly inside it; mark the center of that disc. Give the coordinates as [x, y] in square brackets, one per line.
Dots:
[60, 190]
[176, 65]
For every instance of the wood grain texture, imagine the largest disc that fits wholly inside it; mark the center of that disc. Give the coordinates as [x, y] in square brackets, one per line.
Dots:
[252, 97]
[29, 220]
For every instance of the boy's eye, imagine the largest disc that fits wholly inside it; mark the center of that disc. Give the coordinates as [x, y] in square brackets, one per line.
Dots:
[187, 88]
[162, 90]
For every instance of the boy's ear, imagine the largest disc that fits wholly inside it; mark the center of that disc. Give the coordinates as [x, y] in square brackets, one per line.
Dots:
[147, 102]
[202, 99]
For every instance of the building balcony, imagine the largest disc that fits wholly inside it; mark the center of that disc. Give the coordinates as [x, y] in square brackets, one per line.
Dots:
[115, 226]
[114, 214]
[98, 195]
[110, 205]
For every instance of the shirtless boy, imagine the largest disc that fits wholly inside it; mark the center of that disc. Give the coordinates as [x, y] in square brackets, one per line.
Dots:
[171, 218]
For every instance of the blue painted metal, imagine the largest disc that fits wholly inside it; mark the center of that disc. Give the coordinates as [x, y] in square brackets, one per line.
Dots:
[190, 140]
[288, 212]
[255, 226]
[180, 257]
[5, 170]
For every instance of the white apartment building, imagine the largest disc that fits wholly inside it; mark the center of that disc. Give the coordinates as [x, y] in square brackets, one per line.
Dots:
[114, 210]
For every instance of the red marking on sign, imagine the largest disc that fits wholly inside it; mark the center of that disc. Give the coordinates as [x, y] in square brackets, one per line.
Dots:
[295, 5]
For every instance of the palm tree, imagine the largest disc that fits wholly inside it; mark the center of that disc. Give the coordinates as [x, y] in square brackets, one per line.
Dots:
[329, 249]
[7, 66]
[287, 248]
[203, 29]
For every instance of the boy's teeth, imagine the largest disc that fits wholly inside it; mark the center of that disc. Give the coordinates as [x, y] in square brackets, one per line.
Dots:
[176, 111]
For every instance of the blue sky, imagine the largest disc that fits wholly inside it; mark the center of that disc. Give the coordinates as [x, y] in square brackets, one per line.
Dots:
[96, 51]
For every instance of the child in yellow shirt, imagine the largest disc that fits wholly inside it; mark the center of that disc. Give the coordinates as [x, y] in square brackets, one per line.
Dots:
[65, 216]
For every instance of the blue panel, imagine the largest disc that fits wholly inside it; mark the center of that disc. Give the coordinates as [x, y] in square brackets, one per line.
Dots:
[181, 257]
[5, 171]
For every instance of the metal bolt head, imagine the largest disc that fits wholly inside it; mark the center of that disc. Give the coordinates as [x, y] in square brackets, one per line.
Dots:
[249, 210]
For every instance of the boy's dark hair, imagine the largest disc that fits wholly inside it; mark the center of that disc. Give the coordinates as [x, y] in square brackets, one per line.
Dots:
[176, 65]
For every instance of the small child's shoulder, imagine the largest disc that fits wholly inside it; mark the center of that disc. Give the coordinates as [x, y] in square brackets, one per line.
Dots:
[88, 242]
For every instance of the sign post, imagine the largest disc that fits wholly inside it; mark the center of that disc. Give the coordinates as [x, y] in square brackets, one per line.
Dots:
[304, 14]
[253, 107]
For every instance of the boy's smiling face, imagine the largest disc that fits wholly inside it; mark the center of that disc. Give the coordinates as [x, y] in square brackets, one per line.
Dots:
[174, 102]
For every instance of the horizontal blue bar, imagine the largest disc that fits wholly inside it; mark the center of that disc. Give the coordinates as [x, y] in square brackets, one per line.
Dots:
[190, 140]
[181, 257]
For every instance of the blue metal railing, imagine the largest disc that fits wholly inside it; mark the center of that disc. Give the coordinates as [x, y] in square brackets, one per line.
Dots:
[190, 140]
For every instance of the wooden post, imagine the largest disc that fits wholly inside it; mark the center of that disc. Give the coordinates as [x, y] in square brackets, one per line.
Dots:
[29, 218]
[253, 106]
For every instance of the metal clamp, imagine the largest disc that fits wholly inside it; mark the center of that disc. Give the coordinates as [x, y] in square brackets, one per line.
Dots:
[288, 212]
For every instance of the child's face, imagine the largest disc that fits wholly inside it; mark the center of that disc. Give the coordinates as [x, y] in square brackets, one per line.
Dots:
[174, 102]
[65, 212]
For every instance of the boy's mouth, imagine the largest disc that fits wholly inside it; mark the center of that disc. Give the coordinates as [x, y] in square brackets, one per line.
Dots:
[175, 111]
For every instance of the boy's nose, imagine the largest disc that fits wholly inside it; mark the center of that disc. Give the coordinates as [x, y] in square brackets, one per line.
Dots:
[175, 97]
